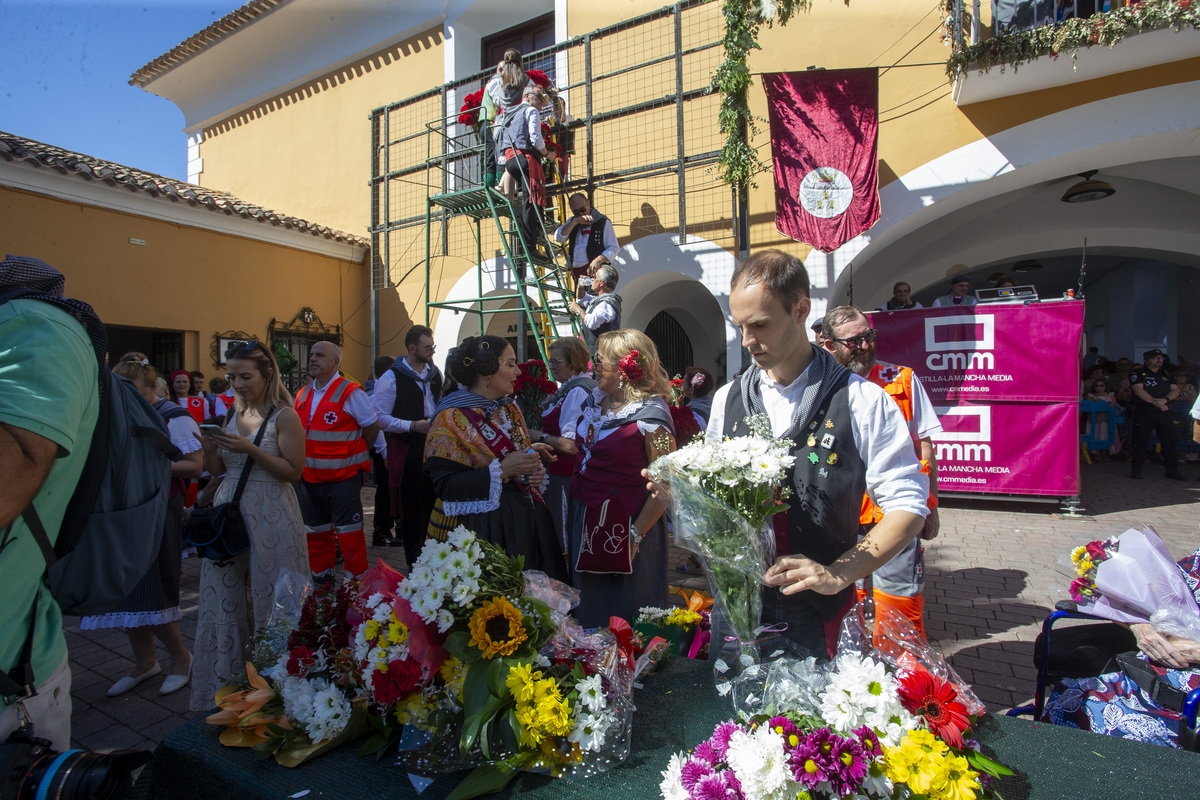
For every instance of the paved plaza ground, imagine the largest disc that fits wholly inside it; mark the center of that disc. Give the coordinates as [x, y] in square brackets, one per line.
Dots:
[991, 580]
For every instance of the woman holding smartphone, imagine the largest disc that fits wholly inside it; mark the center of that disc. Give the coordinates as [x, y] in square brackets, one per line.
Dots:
[269, 508]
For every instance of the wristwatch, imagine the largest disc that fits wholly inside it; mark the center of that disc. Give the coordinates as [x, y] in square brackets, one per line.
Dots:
[635, 534]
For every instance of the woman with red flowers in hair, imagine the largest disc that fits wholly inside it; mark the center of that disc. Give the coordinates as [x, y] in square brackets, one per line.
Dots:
[618, 540]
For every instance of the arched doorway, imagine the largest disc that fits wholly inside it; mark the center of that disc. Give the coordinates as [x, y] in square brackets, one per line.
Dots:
[674, 346]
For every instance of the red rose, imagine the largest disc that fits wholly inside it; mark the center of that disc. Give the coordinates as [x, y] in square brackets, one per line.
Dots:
[400, 680]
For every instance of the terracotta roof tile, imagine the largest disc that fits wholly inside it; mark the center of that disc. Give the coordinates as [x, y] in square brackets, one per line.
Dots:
[193, 45]
[15, 148]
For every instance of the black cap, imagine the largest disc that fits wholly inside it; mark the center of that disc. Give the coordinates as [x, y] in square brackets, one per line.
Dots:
[816, 326]
[959, 279]
[1152, 354]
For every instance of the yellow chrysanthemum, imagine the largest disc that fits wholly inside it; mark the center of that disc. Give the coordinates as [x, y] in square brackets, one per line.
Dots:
[683, 617]
[925, 741]
[372, 630]
[397, 632]
[496, 628]
[520, 683]
[961, 782]
[899, 764]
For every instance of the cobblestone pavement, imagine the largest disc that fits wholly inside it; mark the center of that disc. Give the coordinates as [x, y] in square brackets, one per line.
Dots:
[991, 580]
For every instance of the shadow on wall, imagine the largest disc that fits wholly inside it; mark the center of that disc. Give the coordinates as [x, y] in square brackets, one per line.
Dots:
[426, 40]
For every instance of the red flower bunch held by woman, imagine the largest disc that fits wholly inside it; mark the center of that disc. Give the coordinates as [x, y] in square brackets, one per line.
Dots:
[470, 109]
[538, 77]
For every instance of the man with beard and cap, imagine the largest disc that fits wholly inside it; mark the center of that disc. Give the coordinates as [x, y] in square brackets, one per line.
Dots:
[848, 438]
[339, 426]
[848, 336]
[405, 397]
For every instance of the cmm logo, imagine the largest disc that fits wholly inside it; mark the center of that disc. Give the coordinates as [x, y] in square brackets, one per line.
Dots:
[953, 342]
[966, 439]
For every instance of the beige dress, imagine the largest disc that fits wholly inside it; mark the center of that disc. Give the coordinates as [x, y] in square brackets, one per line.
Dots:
[277, 542]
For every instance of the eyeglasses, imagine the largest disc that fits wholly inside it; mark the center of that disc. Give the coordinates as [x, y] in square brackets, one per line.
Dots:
[237, 348]
[854, 342]
[579, 211]
[553, 363]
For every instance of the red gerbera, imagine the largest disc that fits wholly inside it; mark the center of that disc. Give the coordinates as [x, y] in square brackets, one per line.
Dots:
[936, 702]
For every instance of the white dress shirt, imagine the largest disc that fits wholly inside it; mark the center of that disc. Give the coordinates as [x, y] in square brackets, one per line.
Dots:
[384, 398]
[356, 403]
[597, 315]
[894, 479]
[947, 301]
[582, 233]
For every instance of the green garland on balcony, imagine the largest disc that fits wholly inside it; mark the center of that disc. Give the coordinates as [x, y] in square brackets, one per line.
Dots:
[743, 19]
[1107, 28]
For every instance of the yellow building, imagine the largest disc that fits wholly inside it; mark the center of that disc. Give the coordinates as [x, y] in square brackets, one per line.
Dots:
[174, 269]
[346, 113]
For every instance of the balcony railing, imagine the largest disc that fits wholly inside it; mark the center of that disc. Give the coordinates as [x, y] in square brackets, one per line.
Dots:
[1022, 31]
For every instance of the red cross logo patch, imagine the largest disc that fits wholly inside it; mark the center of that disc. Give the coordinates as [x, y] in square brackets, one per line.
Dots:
[331, 417]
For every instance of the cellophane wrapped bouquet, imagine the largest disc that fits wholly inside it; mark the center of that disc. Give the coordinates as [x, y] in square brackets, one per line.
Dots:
[300, 695]
[531, 389]
[892, 723]
[687, 628]
[513, 685]
[1132, 578]
[722, 497]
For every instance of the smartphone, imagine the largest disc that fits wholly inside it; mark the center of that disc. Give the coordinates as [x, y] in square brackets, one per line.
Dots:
[212, 429]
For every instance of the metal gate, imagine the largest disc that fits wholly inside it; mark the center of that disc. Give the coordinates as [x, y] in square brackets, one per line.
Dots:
[674, 346]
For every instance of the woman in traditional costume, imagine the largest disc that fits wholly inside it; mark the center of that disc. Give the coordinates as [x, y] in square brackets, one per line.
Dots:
[487, 474]
[618, 539]
[560, 420]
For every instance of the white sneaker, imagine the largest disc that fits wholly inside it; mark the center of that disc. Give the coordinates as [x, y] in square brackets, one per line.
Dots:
[129, 681]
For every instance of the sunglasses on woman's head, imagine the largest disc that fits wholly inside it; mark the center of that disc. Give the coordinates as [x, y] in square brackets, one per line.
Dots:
[237, 349]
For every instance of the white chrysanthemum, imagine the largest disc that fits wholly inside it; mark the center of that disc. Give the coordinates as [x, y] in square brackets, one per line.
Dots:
[671, 787]
[382, 614]
[443, 576]
[540, 660]
[876, 783]
[460, 538]
[462, 594]
[760, 761]
[591, 693]
[374, 600]
[420, 576]
[589, 732]
[860, 692]
[444, 620]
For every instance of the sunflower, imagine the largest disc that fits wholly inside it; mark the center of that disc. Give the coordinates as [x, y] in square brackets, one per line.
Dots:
[496, 628]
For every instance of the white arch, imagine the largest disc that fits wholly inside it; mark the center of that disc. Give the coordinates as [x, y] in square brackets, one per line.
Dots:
[697, 270]
[1027, 164]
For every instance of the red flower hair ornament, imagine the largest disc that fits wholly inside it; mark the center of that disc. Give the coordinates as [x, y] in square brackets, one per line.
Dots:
[630, 367]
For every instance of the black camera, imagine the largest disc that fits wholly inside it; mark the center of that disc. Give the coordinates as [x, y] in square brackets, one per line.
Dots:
[31, 768]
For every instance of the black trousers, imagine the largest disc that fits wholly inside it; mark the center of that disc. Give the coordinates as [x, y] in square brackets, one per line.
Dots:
[416, 498]
[383, 501]
[1161, 422]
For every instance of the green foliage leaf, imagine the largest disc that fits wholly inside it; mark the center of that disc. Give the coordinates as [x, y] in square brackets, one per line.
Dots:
[984, 764]
[482, 780]
[458, 644]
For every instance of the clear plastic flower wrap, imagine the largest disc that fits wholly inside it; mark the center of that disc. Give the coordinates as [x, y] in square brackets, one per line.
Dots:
[291, 590]
[1132, 578]
[559, 596]
[891, 637]
[735, 554]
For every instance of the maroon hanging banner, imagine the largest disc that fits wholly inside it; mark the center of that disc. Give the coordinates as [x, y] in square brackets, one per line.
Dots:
[824, 145]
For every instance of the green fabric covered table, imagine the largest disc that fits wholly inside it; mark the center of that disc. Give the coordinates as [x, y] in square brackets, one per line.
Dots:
[677, 709]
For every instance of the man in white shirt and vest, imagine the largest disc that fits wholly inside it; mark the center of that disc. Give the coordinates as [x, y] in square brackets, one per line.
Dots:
[405, 398]
[599, 310]
[849, 438]
[960, 285]
[849, 337]
[339, 424]
[591, 240]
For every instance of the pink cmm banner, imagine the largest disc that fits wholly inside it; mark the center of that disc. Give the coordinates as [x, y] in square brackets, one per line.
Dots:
[1004, 381]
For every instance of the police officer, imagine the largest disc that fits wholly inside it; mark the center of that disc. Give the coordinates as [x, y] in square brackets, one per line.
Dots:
[1153, 391]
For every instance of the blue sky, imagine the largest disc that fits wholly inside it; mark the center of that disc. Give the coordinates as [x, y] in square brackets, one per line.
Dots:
[65, 67]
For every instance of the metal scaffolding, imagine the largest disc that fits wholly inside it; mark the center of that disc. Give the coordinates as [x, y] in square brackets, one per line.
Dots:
[647, 139]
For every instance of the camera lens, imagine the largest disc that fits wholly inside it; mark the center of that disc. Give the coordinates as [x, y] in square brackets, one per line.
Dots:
[73, 775]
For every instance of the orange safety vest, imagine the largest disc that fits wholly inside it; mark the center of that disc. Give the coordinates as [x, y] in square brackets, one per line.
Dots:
[897, 382]
[195, 407]
[334, 448]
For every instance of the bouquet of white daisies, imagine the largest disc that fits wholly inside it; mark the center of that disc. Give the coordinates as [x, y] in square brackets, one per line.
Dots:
[723, 495]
